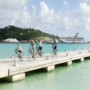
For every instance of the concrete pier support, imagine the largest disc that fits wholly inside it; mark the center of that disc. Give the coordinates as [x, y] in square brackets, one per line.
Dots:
[82, 59]
[15, 78]
[69, 63]
[50, 68]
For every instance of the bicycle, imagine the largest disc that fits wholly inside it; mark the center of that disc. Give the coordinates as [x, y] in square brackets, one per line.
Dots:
[54, 53]
[38, 52]
[31, 54]
[17, 55]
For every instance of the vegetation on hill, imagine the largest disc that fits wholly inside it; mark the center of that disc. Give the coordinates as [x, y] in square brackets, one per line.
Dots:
[23, 33]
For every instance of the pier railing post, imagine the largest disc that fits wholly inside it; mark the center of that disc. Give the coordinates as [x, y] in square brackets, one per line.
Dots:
[16, 61]
[88, 51]
[65, 50]
[79, 52]
[48, 58]
[66, 54]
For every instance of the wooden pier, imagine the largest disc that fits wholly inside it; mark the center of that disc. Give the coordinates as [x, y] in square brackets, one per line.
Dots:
[14, 69]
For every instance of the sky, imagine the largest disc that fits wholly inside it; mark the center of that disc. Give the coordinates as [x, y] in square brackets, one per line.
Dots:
[57, 17]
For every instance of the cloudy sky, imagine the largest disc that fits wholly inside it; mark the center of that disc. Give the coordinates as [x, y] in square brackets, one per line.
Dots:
[58, 17]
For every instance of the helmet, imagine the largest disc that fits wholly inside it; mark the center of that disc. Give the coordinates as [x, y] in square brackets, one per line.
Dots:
[54, 41]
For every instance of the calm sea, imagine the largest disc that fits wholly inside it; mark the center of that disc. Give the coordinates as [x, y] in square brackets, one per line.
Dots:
[74, 77]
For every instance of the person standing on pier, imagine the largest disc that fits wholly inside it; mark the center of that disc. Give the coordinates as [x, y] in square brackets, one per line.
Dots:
[39, 45]
[32, 49]
[19, 50]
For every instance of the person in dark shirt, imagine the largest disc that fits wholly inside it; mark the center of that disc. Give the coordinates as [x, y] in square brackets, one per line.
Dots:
[54, 46]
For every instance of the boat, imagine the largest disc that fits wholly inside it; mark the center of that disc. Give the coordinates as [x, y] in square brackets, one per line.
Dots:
[69, 39]
[51, 41]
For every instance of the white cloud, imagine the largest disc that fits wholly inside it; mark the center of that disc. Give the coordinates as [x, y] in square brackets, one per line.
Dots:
[12, 4]
[48, 16]
[14, 13]
[86, 0]
[65, 3]
[84, 13]
[47, 19]
[34, 7]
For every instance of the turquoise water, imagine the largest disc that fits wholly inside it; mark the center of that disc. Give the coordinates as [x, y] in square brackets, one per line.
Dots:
[6, 50]
[74, 77]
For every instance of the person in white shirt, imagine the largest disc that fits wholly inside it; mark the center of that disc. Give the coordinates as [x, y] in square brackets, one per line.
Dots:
[39, 45]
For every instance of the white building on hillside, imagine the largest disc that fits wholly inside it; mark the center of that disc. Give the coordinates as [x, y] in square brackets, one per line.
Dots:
[10, 40]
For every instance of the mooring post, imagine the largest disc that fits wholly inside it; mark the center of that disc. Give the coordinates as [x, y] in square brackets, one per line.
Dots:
[16, 61]
[89, 51]
[66, 54]
[79, 52]
[48, 58]
[65, 50]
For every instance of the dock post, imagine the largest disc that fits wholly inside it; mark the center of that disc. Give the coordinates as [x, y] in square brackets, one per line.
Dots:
[69, 63]
[65, 50]
[16, 62]
[15, 78]
[79, 52]
[66, 54]
[88, 51]
[49, 68]
[48, 58]
[82, 59]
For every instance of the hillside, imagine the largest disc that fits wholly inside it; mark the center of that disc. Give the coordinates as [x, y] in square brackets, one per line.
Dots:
[23, 33]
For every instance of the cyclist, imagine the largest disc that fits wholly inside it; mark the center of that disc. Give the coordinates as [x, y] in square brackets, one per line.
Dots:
[39, 45]
[54, 46]
[32, 49]
[19, 50]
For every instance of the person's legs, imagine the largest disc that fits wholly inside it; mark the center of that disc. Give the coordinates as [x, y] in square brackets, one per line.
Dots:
[34, 54]
[40, 51]
[20, 54]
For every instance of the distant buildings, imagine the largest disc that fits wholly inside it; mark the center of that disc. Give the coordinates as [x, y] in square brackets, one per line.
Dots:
[10, 40]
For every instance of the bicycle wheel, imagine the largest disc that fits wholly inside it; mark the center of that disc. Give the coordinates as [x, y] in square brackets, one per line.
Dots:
[56, 53]
[29, 56]
[22, 59]
[36, 54]
[53, 53]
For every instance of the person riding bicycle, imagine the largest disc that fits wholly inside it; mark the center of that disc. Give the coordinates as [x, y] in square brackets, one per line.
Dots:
[54, 46]
[32, 49]
[19, 50]
[39, 45]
